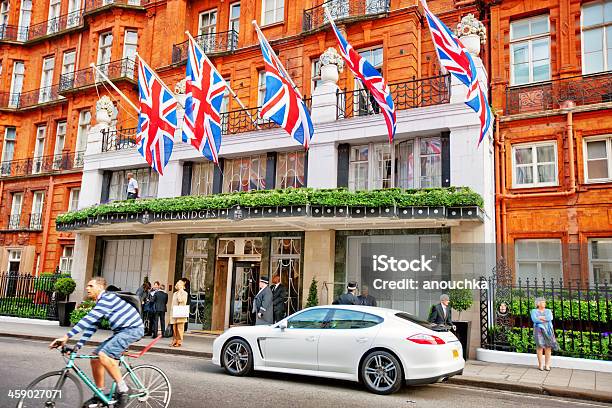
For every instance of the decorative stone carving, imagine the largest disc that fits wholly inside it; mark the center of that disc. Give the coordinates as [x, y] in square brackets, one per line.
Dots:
[179, 88]
[105, 111]
[472, 33]
[331, 64]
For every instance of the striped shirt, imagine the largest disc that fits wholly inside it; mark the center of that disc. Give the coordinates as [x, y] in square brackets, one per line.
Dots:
[120, 314]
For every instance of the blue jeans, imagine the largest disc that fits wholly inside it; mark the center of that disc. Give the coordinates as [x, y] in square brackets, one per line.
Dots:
[119, 342]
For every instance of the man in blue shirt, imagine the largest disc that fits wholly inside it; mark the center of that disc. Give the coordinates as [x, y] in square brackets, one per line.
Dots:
[127, 326]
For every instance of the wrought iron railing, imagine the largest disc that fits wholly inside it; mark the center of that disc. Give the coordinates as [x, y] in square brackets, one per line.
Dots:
[342, 9]
[579, 90]
[14, 221]
[211, 44]
[415, 93]
[118, 139]
[36, 221]
[39, 96]
[28, 296]
[55, 25]
[125, 68]
[42, 165]
[244, 120]
[13, 33]
[92, 5]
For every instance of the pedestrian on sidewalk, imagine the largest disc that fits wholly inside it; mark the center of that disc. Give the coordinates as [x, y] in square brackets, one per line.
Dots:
[160, 302]
[279, 298]
[178, 319]
[543, 333]
[441, 314]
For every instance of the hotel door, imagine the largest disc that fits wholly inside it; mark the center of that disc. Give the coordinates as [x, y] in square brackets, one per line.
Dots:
[245, 285]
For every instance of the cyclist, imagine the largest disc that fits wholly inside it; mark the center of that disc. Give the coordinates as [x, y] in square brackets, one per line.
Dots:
[127, 326]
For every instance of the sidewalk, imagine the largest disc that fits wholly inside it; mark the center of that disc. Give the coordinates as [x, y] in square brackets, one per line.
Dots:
[580, 384]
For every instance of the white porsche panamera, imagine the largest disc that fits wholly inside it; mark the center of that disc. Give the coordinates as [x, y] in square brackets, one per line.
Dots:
[382, 348]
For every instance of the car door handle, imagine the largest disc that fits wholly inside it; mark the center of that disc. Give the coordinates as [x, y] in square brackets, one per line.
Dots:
[311, 338]
[361, 339]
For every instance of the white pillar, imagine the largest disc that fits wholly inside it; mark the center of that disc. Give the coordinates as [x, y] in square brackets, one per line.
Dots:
[170, 184]
[91, 182]
[322, 165]
[82, 263]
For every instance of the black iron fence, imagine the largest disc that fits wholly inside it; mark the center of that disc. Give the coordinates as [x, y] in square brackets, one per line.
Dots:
[582, 314]
[42, 165]
[578, 90]
[25, 222]
[13, 33]
[406, 95]
[55, 25]
[211, 43]
[28, 296]
[118, 139]
[35, 97]
[342, 9]
[125, 68]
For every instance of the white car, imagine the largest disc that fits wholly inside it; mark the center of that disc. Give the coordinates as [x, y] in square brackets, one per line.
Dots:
[381, 348]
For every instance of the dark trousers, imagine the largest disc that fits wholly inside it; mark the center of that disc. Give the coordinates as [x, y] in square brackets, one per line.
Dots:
[158, 320]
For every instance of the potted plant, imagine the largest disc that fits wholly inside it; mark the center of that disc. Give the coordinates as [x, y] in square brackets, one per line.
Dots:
[63, 288]
[461, 300]
[313, 296]
[472, 33]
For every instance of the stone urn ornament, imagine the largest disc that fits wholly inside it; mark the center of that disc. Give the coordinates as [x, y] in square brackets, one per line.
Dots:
[331, 65]
[105, 111]
[472, 33]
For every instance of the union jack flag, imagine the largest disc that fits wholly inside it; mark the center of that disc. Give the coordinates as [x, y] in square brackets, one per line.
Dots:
[369, 76]
[204, 89]
[157, 120]
[457, 60]
[283, 103]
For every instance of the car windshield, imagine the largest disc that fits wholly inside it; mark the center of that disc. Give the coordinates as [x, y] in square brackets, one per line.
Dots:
[414, 320]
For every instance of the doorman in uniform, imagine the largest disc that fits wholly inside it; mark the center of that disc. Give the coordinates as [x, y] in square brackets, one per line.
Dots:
[262, 304]
[349, 297]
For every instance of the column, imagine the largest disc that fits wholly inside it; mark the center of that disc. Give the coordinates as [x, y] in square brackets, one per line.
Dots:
[163, 262]
[319, 260]
[171, 183]
[82, 263]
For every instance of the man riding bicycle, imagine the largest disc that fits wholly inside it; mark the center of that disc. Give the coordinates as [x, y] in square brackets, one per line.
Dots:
[127, 326]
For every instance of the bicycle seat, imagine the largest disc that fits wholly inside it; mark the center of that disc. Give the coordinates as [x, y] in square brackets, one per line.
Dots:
[144, 350]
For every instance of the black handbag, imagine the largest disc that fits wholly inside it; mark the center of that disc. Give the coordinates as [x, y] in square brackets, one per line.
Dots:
[168, 332]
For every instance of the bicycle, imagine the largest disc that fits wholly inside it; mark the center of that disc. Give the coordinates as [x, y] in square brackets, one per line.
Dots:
[149, 385]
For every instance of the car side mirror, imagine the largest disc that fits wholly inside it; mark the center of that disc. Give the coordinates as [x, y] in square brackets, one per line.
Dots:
[282, 325]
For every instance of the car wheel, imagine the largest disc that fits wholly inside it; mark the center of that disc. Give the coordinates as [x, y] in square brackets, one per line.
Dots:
[381, 372]
[237, 358]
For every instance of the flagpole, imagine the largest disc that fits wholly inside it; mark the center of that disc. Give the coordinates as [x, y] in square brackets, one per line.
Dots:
[280, 65]
[104, 77]
[226, 84]
[160, 80]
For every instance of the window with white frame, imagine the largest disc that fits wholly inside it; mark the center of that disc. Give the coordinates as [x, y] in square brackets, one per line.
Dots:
[261, 87]
[273, 11]
[534, 165]
[16, 83]
[60, 140]
[105, 49]
[83, 129]
[65, 265]
[365, 104]
[68, 63]
[414, 163]
[73, 199]
[4, 13]
[207, 29]
[37, 210]
[202, 178]
[530, 50]
[290, 169]
[46, 80]
[130, 44]
[598, 163]
[39, 148]
[54, 13]
[596, 36]
[234, 17]
[315, 75]
[16, 205]
[25, 18]
[244, 174]
[8, 150]
[538, 259]
[600, 260]
[147, 179]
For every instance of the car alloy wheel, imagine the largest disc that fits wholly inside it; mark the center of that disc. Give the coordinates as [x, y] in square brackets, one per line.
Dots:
[381, 372]
[237, 357]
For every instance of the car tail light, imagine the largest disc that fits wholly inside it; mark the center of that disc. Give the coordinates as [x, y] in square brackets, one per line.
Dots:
[425, 339]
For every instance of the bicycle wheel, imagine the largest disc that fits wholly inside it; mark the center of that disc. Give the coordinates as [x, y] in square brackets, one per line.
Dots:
[45, 391]
[157, 390]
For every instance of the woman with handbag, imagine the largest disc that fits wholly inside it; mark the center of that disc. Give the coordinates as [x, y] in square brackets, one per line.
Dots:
[180, 313]
[543, 333]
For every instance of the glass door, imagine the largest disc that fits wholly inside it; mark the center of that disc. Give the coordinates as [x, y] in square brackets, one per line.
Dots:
[39, 149]
[245, 285]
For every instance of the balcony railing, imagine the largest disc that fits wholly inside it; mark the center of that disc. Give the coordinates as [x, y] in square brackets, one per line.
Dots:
[212, 43]
[32, 222]
[118, 139]
[36, 221]
[13, 33]
[342, 9]
[42, 165]
[30, 98]
[125, 68]
[581, 90]
[55, 25]
[415, 93]
[14, 222]
[92, 5]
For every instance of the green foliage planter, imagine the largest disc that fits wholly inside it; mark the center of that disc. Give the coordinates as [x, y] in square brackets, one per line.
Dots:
[579, 310]
[84, 308]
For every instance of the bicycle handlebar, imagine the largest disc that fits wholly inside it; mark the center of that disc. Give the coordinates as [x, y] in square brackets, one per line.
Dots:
[68, 350]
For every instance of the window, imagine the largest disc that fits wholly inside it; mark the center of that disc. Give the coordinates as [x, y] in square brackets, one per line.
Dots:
[365, 103]
[261, 87]
[530, 50]
[207, 30]
[415, 163]
[4, 14]
[310, 319]
[73, 200]
[234, 18]
[597, 37]
[16, 204]
[598, 161]
[538, 259]
[351, 319]
[104, 50]
[244, 174]
[534, 165]
[60, 139]
[68, 63]
[74, 8]
[315, 79]
[54, 13]
[46, 80]
[130, 44]
[82, 131]
[16, 83]
[600, 260]
[39, 148]
[202, 178]
[25, 18]
[273, 11]
[65, 265]
[8, 150]
[225, 104]
[147, 179]
[290, 169]
[37, 210]
[285, 262]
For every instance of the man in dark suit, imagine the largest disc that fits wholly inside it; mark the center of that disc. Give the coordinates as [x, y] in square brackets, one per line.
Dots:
[262, 304]
[365, 299]
[441, 313]
[160, 301]
[279, 298]
[349, 297]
